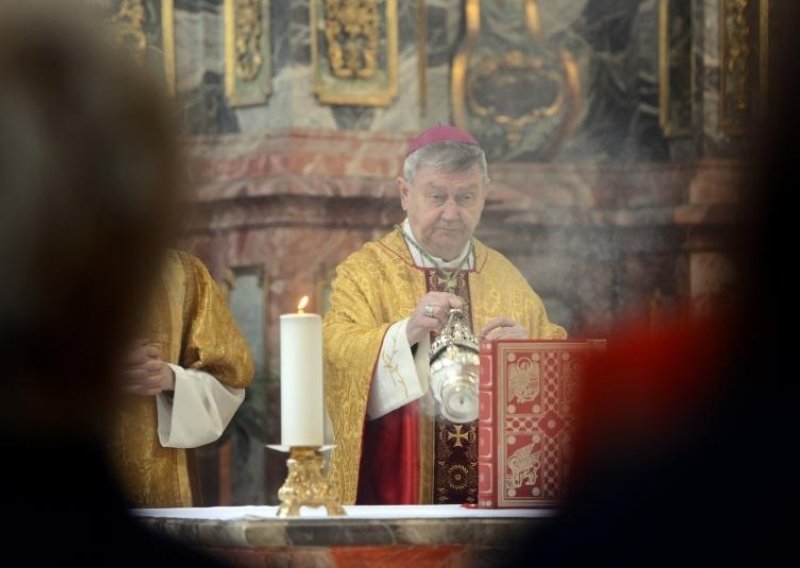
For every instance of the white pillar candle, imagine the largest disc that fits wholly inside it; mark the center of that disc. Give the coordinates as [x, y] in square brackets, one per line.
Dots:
[302, 407]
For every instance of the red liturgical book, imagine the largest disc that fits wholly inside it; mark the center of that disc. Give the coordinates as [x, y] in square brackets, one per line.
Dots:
[527, 393]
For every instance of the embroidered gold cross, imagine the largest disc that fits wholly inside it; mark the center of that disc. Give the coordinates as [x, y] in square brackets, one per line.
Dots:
[448, 283]
[458, 435]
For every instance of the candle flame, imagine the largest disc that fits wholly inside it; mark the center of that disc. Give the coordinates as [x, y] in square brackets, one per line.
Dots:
[301, 305]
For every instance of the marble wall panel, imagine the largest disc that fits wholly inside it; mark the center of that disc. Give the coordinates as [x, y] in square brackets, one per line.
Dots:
[247, 299]
[557, 17]
[445, 22]
[699, 39]
[200, 68]
[200, 56]
[619, 82]
[711, 133]
[675, 70]
[614, 43]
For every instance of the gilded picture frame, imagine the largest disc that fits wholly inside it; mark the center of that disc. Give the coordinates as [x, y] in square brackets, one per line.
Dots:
[676, 67]
[248, 57]
[538, 128]
[354, 51]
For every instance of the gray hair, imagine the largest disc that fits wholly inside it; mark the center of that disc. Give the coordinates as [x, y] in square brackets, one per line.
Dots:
[445, 156]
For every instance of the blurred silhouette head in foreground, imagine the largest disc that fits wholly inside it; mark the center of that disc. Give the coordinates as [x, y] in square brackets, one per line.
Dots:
[87, 187]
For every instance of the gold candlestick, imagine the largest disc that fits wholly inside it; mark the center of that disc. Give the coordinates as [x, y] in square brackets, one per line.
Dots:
[305, 485]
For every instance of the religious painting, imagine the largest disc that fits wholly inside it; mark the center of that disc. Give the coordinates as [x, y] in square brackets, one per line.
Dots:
[354, 51]
[248, 66]
[676, 67]
[146, 28]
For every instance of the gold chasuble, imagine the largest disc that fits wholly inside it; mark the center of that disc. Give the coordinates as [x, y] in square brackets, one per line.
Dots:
[373, 288]
[190, 321]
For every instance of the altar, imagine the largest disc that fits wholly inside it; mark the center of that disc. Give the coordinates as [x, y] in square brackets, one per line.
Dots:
[401, 535]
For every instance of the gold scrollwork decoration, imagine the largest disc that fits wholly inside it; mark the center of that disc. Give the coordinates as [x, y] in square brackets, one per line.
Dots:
[517, 90]
[736, 65]
[306, 485]
[129, 20]
[247, 63]
[352, 63]
[532, 20]
[136, 25]
[352, 31]
[514, 69]
[248, 24]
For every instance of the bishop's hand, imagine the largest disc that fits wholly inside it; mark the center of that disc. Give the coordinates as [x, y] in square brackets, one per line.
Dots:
[144, 373]
[430, 314]
[503, 328]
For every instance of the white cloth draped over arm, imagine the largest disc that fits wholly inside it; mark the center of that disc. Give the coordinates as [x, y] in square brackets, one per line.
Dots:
[198, 410]
[400, 377]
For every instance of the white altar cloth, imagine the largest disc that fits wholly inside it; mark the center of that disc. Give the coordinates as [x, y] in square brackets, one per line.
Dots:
[353, 512]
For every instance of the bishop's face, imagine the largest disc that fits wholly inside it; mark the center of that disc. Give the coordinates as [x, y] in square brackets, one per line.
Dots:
[443, 208]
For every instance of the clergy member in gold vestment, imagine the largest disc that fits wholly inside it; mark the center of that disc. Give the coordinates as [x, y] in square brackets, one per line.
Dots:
[388, 301]
[185, 379]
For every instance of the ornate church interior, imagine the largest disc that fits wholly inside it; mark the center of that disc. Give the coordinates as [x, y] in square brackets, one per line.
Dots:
[620, 149]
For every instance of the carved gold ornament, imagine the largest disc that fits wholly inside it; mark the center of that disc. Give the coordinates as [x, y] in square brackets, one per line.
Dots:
[248, 72]
[306, 485]
[130, 22]
[354, 51]
[248, 25]
[528, 94]
[509, 74]
[352, 30]
[138, 31]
